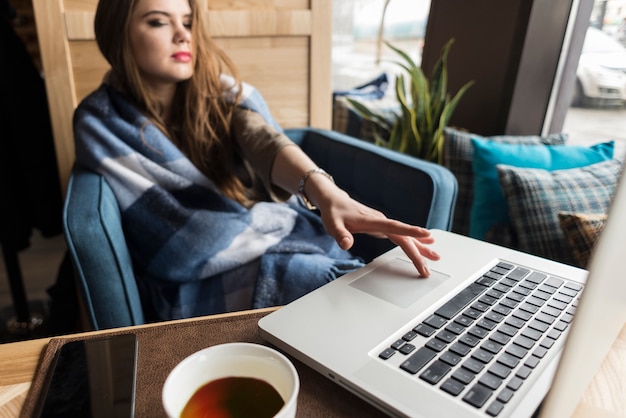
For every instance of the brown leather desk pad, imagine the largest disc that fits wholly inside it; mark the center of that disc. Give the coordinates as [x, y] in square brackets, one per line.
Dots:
[160, 348]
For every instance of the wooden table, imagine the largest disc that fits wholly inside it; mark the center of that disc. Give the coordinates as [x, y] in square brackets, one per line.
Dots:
[605, 396]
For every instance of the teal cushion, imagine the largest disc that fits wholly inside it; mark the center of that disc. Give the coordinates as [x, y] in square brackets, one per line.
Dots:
[489, 207]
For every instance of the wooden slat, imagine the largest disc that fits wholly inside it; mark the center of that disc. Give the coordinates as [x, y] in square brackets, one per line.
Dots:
[320, 111]
[59, 81]
[88, 67]
[258, 4]
[259, 23]
[280, 73]
[79, 24]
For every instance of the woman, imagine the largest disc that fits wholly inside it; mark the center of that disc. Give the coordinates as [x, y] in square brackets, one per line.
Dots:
[199, 169]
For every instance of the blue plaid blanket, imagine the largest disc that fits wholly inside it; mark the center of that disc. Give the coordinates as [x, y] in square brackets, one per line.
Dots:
[194, 251]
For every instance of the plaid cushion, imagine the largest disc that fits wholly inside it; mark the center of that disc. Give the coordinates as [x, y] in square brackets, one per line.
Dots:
[347, 121]
[582, 231]
[457, 157]
[535, 197]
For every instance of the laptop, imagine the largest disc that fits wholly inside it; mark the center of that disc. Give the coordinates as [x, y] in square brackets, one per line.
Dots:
[492, 332]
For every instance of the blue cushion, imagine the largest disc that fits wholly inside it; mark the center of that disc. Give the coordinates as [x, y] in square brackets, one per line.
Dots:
[489, 207]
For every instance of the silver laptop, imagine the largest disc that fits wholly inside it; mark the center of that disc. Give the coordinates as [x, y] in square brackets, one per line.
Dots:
[490, 333]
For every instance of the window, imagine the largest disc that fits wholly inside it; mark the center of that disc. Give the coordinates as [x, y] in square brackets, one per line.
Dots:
[597, 113]
[356, 57]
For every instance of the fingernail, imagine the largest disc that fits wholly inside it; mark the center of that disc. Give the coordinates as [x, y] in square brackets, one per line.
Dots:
[344, 243]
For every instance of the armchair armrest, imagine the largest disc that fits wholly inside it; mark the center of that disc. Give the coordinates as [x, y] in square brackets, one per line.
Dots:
[401, 186]
[104, 273]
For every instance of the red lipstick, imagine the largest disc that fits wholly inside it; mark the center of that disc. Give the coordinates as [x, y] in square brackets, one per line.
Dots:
[182, 56]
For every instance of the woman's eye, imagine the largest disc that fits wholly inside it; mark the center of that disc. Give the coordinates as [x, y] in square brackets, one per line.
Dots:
[187, 25]
[155, 23]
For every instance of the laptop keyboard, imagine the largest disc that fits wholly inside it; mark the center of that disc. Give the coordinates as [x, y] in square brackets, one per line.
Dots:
[486, 341]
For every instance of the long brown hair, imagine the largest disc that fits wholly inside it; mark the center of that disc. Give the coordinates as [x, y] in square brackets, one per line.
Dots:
[200, 124]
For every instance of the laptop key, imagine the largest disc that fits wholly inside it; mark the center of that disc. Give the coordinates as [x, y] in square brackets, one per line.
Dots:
[538, 325]
[435, 321]
[460, 301]
[455, 328]
[505, 395]
[521, 314]
[418, 360]
[397, 344]
[474, 366]
[446, 336]
[508, 360]
[424, 330]
[551, 311]
[478, 395]
[450, 358]
[486, 324]
[500, 338]
[515, 322]
[525, 342]
[502, 309]
[574, 286]
[554, 282]
[409, 336]
[463, 375]
[504, 265]
[387, 353]
[472, 313]
[536, 277]
[479, 306]
[532, 362]
[470, 340]
[515, 383]
[486, 280]
[554, 334]
[453, 387]
[500, 370]
[436, 345]
[569, 292]
[495, 408]
[560, 326]
[518, 274]
[482, 355]
[407, 348]
[490, 381]
[463, 320]
[509, 303]
[540, 352]
[491, 346]
[532, 334]
[460, 349]
[523, 372]
[478, 332]
[494, 316]
[435, 372]
[517, 351]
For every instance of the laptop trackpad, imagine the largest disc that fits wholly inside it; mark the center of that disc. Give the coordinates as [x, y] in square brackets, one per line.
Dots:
[398, 282]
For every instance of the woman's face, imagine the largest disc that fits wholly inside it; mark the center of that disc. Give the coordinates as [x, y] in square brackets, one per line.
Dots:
[160, 40]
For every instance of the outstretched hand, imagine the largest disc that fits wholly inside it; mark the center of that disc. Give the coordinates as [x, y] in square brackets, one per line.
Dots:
[343, 217]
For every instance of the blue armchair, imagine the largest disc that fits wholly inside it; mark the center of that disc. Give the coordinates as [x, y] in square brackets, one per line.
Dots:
[401, 186]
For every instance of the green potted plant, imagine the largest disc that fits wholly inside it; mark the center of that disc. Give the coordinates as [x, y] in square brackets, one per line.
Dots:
[424, 110]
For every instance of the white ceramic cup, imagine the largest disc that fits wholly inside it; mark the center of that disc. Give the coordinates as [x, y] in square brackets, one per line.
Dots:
[231, 360]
